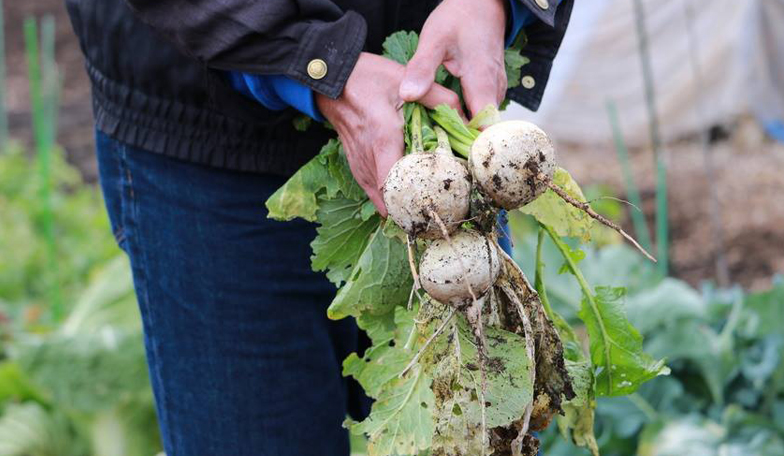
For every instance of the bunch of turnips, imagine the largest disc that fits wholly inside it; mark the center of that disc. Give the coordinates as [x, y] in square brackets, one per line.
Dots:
[449, 206]
[468, 358]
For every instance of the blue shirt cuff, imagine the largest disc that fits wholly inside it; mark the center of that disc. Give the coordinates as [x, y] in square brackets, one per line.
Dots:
[276, 92]
[521, 17]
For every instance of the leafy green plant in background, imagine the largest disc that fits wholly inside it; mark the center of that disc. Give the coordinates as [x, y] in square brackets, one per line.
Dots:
[725, 395]
[82, 389]
[77, 386]
[73, 378]
[84, 239]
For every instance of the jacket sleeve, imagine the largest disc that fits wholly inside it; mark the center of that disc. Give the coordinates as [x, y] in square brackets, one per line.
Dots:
[543, 41]
[281, 37]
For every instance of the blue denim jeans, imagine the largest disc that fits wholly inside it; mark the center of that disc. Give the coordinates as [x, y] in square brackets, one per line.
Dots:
[242, 358]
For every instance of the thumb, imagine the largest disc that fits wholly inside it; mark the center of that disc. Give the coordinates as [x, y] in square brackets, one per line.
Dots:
[420, 72]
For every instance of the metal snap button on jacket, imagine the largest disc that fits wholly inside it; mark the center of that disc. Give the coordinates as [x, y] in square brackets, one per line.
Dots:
[528, 82]
[317, 68]
[542, 4]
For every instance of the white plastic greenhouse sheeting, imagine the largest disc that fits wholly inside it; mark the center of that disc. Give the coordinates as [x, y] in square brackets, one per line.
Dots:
[739, 48]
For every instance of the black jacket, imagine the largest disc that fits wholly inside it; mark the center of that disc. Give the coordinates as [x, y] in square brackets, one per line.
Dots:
[154, 68]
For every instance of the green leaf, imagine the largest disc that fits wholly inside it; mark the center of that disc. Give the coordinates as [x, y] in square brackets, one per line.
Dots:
[577, 421]
[328, 172]
[513, 62]
[341, 238]
[768, 307]
[388, 357]
[108, 301]
[342, 182]
[367, 211]
[694, 340]
[400, 46]
[302, 122]
[14, 385]
[489, 115]
[380, 280]
[130, 429]
[667, 302]
[549, 209]
[449, 119]
[576, 254]
[615, 345]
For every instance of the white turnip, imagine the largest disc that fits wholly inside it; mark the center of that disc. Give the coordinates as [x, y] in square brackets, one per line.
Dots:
[458, 270]
[422, 184]
[513, 162]
[507, 159]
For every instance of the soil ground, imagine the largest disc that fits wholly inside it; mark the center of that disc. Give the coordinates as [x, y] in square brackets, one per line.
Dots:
[749, 178]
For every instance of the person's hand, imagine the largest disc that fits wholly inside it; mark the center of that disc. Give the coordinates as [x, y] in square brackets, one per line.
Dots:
[467, 37]
[369, 123]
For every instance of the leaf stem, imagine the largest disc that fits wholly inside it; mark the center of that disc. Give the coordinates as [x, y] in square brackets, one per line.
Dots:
[644, 406]
[443, 141]
[462, 149]
[416, 130]
[539, 276]
[464, 137]
[589, 297]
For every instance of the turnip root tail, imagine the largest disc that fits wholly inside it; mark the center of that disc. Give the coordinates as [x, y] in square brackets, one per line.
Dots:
[474, 316]
[585, 207]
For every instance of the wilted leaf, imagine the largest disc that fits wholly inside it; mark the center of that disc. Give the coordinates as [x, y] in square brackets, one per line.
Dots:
[577, 422]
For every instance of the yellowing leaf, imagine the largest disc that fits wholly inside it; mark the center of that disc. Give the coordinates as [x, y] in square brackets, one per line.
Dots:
[577, 421]
[297, 197]
[549, 209]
